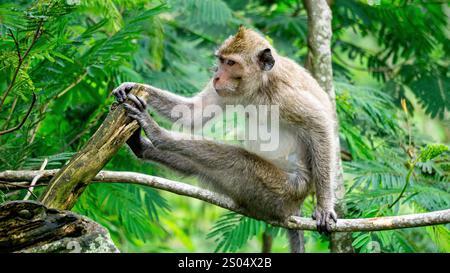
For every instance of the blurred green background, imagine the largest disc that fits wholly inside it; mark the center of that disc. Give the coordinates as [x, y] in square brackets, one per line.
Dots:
[390, 61]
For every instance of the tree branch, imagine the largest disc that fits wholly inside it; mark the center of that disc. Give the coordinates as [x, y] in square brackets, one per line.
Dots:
[11, 112]
[7, 131]
[20, 186]
[16, 43]
[320, 64]
[21, 59]
[294, 222]
[35, 180]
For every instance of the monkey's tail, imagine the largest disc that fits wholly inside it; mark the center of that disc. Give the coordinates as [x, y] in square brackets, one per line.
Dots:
[296, 240]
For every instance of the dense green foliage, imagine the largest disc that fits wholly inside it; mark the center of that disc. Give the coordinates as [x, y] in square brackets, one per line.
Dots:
[390, 62]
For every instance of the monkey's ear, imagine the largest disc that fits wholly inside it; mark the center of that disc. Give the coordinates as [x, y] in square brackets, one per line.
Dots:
[265, 59]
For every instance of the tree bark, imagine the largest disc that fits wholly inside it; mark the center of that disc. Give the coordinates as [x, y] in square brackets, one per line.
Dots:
[293, 222]
[320, 65]
[28, 226]
[69, 183]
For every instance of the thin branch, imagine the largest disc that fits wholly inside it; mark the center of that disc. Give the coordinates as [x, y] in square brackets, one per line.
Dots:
[16, 43]
[14, 185]
[36, 36]
[21, 58]
[294, 222]
[11, 112]
[70, 86]
[23, 120]
[35, 179]
[20, 186]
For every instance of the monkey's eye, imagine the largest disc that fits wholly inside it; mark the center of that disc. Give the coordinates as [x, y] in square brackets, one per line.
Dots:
[221, 60]
[230, 62]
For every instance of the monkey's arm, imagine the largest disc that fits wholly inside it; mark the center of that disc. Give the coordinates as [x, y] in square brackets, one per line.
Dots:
[322, 162]
[316, 131]
[171, 106]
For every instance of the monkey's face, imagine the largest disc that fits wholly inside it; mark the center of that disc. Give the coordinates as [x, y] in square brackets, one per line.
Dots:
[243, 60]
[235, 75]
[228, 75]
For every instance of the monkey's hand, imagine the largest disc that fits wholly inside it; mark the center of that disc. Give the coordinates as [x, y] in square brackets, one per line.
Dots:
[121, 92]
[324, 218]
[138, 111]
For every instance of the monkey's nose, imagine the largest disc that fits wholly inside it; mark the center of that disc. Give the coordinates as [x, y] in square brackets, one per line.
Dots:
[216, 79]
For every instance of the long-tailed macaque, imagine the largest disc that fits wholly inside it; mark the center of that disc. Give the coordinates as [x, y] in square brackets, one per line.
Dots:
[250, 72]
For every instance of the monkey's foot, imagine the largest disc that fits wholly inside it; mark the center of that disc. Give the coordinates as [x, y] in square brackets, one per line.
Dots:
[324, 218]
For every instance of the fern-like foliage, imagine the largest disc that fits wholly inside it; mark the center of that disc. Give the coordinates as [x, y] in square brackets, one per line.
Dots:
[215, 12]
[126, 209]
[410, 36]
[232, 231]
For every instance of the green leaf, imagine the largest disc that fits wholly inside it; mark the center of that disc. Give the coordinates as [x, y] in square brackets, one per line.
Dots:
[432, 151]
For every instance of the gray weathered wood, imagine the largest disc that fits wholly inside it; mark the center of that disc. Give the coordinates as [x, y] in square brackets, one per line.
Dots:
[68, 184]
[28, 226]
[302, 223]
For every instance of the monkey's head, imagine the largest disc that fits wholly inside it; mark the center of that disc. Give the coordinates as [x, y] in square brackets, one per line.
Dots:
[243, 60]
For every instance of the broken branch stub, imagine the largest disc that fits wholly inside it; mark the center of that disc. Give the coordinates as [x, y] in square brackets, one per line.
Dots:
[69, 183]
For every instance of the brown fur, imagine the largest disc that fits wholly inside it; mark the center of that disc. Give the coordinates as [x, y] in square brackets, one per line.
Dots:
[245, 42]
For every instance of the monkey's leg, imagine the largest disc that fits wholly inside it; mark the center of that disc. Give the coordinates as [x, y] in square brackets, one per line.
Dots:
[218, 157]
[144, 149]
[296, 239]
[265, 190]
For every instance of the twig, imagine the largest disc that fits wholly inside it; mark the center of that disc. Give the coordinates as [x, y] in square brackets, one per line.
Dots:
[19, 186]
[294, 222]
[16, 43]
[21, 58]
[11, 112]
[13, 185]
[70, 86]
[35, 179]
[36, 36]
[23, 120]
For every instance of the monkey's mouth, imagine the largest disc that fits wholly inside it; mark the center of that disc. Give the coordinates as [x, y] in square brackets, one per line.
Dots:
[223, 92]
[228, 90]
